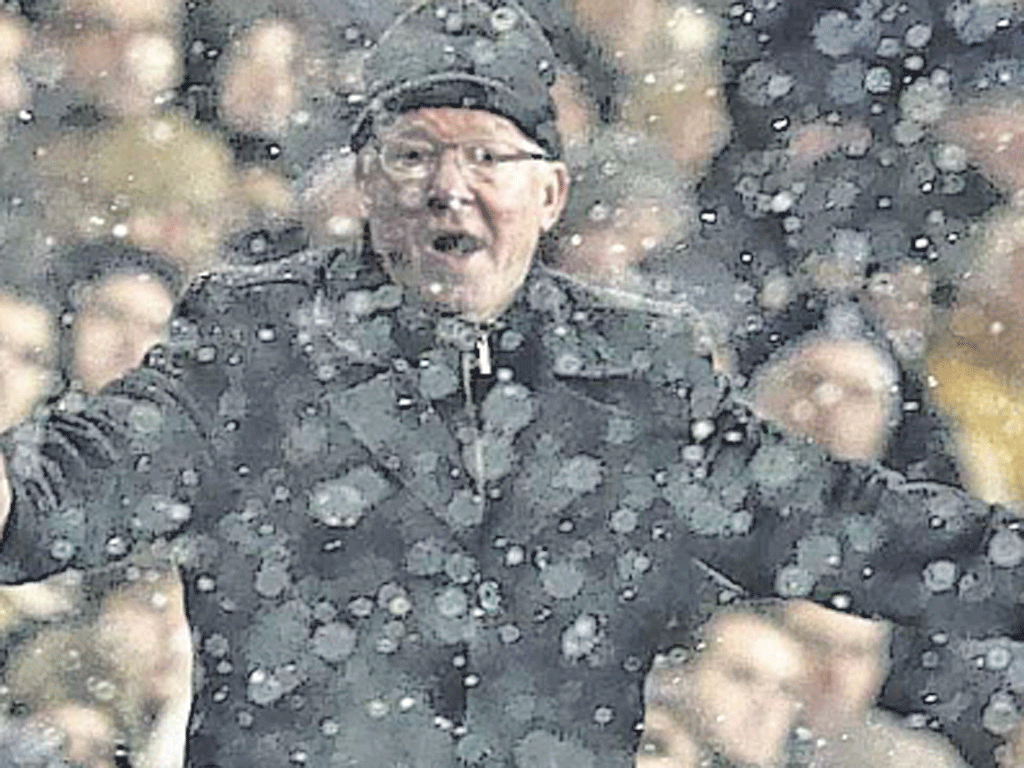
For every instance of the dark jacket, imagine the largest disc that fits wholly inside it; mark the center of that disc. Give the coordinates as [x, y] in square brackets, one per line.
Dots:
[397, 558]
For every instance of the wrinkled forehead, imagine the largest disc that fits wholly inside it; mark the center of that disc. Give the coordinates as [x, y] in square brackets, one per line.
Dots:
[455, 124]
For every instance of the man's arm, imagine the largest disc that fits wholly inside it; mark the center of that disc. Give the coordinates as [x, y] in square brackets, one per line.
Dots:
[946, 568]
[80, 488]
[854, 536]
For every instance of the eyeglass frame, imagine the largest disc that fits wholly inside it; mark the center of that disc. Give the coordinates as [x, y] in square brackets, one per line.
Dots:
[443, 146]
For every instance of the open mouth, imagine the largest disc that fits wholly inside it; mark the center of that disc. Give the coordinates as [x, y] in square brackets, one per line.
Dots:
[456, 243]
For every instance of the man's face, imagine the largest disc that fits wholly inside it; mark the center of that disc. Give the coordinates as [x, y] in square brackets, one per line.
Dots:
[260, 90]
[848, 660]
[26, 357]
[119, 319]
[834, 392]
[124, 55]
[746, 685]
[152, 613]
[461, 233]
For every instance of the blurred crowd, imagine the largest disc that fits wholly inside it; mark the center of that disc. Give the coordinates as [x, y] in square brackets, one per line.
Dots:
[144, 142]
[780, 684]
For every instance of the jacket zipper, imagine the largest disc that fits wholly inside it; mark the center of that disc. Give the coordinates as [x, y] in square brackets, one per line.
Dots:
[477, 360]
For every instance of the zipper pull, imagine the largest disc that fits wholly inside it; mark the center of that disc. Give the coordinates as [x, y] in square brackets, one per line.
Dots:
[483, 352]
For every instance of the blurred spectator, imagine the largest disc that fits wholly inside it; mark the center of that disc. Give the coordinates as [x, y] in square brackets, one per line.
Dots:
[627, 204]
[626, 234]
[976, 360]
[143, 633]
[282, 84]
[737, 697]
[577, 110]
[838, 392]
[62, 684]
[121, 59]
[671, 73]
[261, 88]
[848, 660]
[280, 90]
[117, 303]
[28, 352]
[901, 305]
[14, 43]
[130, 181]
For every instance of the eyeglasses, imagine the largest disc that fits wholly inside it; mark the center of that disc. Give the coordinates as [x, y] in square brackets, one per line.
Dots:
[409, 160]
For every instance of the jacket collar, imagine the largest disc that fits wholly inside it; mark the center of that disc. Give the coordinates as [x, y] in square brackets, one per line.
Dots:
[563, 327]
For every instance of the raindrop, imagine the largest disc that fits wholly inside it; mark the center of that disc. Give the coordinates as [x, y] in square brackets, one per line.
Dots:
[940, 576]
[918, 35]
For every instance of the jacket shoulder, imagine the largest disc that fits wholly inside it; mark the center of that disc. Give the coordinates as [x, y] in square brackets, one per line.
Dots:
[625, 322]
[305, 268]
[279, 283]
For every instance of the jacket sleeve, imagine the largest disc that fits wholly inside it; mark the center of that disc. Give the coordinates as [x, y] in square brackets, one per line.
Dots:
[778, 517]
[127, 467]
[856, 537]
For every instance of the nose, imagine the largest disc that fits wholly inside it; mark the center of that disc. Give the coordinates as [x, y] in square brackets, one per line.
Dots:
[448, 187]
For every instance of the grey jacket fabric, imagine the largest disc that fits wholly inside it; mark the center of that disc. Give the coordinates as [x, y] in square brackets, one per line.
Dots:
[409, 541]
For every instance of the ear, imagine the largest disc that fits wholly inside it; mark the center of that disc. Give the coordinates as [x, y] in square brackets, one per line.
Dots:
[555, 192]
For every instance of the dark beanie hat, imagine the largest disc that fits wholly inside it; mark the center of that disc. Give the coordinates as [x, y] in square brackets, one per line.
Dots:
[475, 54]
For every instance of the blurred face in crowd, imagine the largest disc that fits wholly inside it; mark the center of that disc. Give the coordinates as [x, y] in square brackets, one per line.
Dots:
[153, 616]
[118, 320]
[848, 662]
[14, 38]
[666, 741]
[27, 350]
[745, 687]
[835, 392]
[457, 200]
[260, 90]
[123, 54]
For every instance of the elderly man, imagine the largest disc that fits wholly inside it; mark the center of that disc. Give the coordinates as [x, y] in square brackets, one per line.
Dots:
[435, 505]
